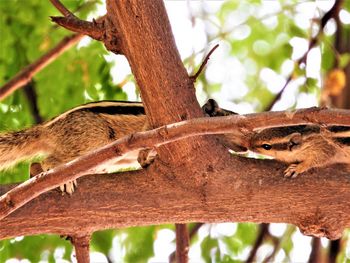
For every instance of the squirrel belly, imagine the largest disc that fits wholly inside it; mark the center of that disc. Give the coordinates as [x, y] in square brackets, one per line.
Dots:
[22, 145]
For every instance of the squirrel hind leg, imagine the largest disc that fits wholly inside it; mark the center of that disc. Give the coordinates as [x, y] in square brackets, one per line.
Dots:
[146, 157]
[50, 163]
[35, 169]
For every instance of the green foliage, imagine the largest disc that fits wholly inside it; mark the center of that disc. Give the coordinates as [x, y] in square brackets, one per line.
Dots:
[102, 241]
[35, 248]
[139, 244]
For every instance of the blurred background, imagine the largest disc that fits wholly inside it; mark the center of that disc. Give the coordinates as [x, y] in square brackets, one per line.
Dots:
[273, 55]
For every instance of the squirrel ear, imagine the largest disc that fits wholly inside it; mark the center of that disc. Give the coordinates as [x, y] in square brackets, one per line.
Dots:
[295, 140]
[210, 107]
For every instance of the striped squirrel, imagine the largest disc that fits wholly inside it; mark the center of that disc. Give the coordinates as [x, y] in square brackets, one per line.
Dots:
[82, 129]
[303, 146]
[87, 127]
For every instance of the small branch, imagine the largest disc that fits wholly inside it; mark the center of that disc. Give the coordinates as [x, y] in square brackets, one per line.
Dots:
[205, 61]
[333, 12]
[193, 232]
[279, 94]
[81, 246]
[30, 92]
[195, 229]
[182, 243]
[239, 127]
[334, 249]
[93, 29]
[277, 243]
[60, 7]
[315, 255]
[263, 232]
[276, 247]
[27, 73]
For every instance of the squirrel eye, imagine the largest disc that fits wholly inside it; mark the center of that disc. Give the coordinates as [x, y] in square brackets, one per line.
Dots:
[266, 146]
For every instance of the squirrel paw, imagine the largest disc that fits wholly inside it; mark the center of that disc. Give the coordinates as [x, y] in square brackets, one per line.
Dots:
[146, 157]
[292, 171]
[69, 187]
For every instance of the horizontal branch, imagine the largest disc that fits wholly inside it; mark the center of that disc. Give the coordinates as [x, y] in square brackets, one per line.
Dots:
[239, 190]
[27, 73]
[239, 127]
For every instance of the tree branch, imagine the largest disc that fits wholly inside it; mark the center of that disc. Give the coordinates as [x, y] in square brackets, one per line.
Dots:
[30, 92]
[334, 249]
[60, 7]
[204, 63]
[316, 200]
[82, 247]
[27, 73]
[238, 126]
[193, 232]
[315, 255]
[182, 243]
[263, 232]
[333, 12]
[93, 29]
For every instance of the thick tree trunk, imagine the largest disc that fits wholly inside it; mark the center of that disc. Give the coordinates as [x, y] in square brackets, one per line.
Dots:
[145, 37]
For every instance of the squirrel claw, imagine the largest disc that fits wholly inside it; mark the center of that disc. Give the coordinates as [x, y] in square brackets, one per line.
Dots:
[291, 171]
[69, 187]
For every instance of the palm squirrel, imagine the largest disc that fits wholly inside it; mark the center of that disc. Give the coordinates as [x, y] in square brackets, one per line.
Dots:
[82, 129]
[90, 126]
[304, 146]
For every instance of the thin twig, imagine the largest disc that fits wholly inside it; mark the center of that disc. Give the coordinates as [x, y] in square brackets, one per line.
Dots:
[82, 248]
[205, 61]
[182, 243]
[60, 7]
[334, 250]
[30, 92]
[333, 12]
[193, 232]
[27, 73]
[276, 246]
[239, 127]
[279, 94]
[263, 232]
[69, 21]
[278, 242]
[93, 29]
[315, 255]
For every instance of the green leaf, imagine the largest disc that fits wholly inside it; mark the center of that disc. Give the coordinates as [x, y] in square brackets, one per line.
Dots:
[327, 54]
[209, 247]
[344, 60]
[139, 244]
[102, 241]
[297, 31]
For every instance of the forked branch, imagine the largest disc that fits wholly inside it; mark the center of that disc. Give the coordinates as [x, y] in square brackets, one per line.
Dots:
[69, 21]
[204, 63]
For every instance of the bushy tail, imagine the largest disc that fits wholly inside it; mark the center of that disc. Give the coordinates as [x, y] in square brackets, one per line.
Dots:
[21, 145]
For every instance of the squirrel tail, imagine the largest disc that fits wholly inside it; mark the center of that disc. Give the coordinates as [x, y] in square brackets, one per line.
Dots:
[21, 145]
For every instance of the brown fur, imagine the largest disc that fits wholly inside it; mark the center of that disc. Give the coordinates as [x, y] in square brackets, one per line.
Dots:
[66, 138]
[313, 150]
[82, 129]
